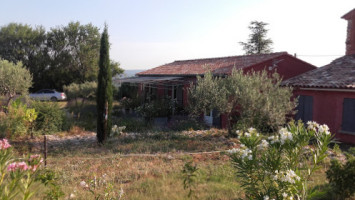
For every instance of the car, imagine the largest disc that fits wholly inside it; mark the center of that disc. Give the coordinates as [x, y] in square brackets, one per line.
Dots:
[48, 95]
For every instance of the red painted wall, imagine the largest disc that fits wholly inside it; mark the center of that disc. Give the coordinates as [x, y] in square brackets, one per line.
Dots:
[288, 66]
[328, 109]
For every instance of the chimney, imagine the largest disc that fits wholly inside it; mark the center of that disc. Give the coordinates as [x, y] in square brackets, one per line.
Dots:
[350, 38]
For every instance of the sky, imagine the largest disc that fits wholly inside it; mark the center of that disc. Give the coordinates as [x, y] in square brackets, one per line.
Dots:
[149, 33]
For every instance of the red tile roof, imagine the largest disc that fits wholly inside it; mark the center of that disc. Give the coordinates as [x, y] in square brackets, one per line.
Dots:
[338, 74]
[223, 65]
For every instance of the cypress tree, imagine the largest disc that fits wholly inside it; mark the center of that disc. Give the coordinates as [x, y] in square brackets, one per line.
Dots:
[104, 91]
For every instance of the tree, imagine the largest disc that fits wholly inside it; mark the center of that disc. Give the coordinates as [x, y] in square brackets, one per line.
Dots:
[253, 99]
[74, 53]
[257, 42]
[22, 43]
[104, 90]
[14, 80]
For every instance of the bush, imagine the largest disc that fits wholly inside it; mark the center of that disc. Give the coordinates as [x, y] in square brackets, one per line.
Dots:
[18, 176]
[18, 120]
[341, 178]
[156, 108]
[279, 167]
[51, 118]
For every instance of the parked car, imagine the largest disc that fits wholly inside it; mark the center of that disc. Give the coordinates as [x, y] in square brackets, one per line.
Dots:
[48, 95]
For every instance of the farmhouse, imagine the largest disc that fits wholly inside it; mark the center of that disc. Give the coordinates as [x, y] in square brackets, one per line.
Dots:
[327, 94]
[174, 78]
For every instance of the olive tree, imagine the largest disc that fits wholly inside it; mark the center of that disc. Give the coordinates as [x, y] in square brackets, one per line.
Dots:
[14, 80]
[252, 99]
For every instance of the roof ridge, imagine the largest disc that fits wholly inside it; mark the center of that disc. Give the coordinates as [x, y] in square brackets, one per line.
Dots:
[213, 58]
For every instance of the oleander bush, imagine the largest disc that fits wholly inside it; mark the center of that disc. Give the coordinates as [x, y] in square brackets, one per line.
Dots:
[280, 166]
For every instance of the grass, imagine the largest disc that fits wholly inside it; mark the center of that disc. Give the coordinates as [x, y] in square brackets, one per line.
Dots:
[156, 174]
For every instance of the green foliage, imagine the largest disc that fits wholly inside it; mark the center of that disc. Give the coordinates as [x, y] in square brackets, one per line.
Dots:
[18, 120]
[257, 42]
[336, 149]
[61, 56]
[254, 99]
[189, 176]
[14, 79]
[22, 43]
[50, 119]
[341, 178]
[49, 178]
[85, 91]
[280, 166]
[156, 108]
[76, 54]
[104, 91]
[18, 176]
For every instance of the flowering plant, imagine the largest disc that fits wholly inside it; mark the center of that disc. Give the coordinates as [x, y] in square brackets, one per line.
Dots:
[17, 176]
[279, 166]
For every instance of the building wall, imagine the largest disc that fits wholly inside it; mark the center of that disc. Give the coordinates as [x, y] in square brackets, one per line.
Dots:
[287, 66]
[328, 109]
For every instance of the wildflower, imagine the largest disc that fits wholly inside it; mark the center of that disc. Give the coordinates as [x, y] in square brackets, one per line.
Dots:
[266, 197]
[4, 144]
[84, 184]
[246, 134]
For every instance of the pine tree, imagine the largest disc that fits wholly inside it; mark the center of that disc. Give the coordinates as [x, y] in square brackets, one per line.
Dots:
[257, 42]
[104, 91]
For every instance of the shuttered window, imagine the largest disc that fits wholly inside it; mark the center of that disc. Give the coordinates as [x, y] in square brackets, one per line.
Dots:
[305, 108]
[348, 123]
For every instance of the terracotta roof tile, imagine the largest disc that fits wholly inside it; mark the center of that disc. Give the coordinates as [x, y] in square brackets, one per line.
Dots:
[221, 65]
[338, 74]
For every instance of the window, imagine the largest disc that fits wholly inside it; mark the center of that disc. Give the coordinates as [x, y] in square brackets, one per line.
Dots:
[305, 108]
[348, 123]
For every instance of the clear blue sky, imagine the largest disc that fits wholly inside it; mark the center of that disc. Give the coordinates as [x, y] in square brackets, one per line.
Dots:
[149, 33]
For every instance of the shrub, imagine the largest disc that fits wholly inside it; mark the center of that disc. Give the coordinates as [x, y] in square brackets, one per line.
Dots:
[17, 175]
[341, 178]
[18, 120]
[156, 108]
[280, 166]
[51, 118]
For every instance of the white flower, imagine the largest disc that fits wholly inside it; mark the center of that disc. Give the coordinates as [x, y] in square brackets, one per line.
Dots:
[246, 134]
[84, 184]
[284, 195]
[266, 197]
[250, 157]
[232, 151]
[251, 129]
[263, 145]
[312, 125]
[324, 129]
[273, 139]
[285, 135]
